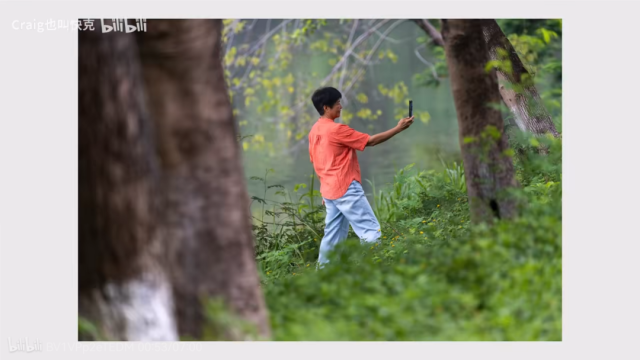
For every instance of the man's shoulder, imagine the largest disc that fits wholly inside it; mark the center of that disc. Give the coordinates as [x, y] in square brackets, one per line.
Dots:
[320, 127]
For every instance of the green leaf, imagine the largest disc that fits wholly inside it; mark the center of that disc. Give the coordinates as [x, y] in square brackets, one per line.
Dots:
[534, 142]
[492, 64]
[424, 116]
[362, 97]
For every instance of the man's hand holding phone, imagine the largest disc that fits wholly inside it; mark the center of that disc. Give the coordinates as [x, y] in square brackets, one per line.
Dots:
[405, 123]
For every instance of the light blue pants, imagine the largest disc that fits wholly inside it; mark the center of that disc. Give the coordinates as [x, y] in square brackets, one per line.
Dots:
[352, 208]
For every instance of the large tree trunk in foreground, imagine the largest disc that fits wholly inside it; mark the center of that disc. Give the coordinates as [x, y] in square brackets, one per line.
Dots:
[207, 208]
[529, 112]
[488, 170]
[122, 288]
[516, 88]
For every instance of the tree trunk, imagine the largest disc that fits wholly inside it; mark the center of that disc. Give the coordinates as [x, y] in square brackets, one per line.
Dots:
[488, 170]
[527, 107]
[516, 88]
[122, 287]
[207, 214]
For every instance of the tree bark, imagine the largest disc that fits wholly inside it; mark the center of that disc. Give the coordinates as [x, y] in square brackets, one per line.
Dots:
[122, 287]
[488, 170]
[207, 215]
[520, 94]
[529, 112]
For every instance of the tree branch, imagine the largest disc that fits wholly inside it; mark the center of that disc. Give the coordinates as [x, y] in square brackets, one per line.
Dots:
[359, 40]
[250, 66]
[268, 35]
[373, 50]
[430, 30]
[346, 62]
[424, 61]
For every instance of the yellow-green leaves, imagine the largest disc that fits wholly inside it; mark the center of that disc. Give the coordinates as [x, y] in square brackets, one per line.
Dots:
[534, 142]
[547, 35]
[362, 98]
[388, 54]
[321, 45]
[424, 116]
[230, 56]
[502, 65]
[289, 79]
[509, 152]
[398, 92]
[367, 114]
[491, 131]
[346, 116]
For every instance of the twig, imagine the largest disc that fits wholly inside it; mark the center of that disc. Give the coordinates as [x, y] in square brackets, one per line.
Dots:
[268, 35]
[358, 41]
[375, 47]
[250, 66]
[424, 61]
[392, 40]
[346, 62]
[232, 29]
[430, 30]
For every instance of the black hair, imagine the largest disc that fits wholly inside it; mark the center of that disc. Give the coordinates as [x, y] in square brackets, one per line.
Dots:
[328, 96]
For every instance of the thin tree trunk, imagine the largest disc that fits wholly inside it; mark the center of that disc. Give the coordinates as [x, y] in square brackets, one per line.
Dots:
[488, 171]
[122, 287]
[516, 88]
[207, 213]
[529, 112]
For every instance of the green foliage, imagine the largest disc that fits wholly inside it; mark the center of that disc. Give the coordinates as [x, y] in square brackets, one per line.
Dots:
[222, 324]
[434, 276]
[88, 331]
[291, 239]
[434, 74]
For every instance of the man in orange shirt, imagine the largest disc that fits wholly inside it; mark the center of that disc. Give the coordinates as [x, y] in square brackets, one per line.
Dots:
[332, 150]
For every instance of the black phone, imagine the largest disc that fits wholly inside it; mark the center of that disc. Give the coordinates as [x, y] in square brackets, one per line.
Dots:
[410, 108]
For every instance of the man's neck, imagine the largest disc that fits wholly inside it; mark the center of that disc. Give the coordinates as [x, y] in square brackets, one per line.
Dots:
[326, 118]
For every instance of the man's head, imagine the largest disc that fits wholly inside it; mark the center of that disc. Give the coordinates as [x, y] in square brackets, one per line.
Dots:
[327, 101]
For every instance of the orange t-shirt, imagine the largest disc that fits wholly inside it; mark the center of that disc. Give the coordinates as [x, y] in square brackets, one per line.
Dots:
[332, 150]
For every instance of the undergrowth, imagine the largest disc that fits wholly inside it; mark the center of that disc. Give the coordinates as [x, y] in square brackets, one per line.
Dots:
[434, 275]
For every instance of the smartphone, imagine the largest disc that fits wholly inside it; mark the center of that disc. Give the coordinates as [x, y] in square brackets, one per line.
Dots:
[410, 108]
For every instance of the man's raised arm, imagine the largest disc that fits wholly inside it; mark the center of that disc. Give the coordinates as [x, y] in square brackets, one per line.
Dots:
[384, 136]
